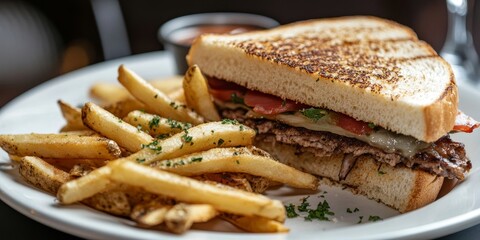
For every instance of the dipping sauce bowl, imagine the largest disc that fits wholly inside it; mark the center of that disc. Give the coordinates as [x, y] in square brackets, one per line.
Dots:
[178, 34]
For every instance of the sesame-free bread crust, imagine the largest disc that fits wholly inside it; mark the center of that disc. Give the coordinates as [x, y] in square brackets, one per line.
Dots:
[369, 68]
[401, 188]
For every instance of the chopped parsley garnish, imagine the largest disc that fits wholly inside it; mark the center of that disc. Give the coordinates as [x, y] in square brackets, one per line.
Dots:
[229, 121]
[178, 163]
[303, 207]
[162, 136]
[220, 142]
[235, 153]
[313, 113]
[139, 127]
[154, 122]
[360, 219]
[153, 146]
[196, 159]
[374, 218]
[174, 124]
[238, 162]
[241, 128]
[291, 211]
[156, 96]
[170, 163]
[236, 99]
[187, 138]
[140, 160]
[284, 102]
[321, 213]
[352, 211]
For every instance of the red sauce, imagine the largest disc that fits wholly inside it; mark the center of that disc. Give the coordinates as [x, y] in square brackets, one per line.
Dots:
[185, 36]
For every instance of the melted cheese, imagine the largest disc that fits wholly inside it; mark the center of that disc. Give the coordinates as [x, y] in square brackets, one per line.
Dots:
[386, 140]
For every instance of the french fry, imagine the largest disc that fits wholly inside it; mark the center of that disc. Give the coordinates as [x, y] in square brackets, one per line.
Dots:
[180, 217]
[156, 100]
[108, 92]
[199, 138]
[72, 115]
[42, 174]
[87, 186]
[178, 95]
[15, 158]
[112, 92]
[172, 147]
[154, 124]
[86, 132]
[47, 177]
[197, 96]
[150, 214]
[67, 164]
[192, 191]
[123, 107]
[121, 199]
[81, 169]
[242, 160]
[114, 201]
[114, 128]
[59, 146]
[168, 85]
[254, 224]
[235, 180]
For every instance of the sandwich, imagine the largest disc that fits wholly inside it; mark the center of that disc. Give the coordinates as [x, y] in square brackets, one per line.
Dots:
[358, 101]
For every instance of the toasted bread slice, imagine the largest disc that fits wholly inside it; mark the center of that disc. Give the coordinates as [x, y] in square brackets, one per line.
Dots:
[401, 188]
[371, 69]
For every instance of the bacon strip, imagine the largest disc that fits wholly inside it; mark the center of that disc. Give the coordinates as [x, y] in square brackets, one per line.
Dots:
[464, 123]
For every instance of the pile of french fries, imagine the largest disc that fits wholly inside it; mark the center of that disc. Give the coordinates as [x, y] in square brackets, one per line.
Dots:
[158, 153]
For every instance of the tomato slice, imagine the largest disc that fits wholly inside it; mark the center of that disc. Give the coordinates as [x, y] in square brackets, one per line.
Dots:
[225, 95]
[464, 123]
[268, 104]
[351, 124]
[216, 83]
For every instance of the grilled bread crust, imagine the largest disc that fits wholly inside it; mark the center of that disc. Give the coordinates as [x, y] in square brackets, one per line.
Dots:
[401, 188]
[369, 68]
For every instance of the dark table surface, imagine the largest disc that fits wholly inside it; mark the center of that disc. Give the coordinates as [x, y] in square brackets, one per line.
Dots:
[14, 225]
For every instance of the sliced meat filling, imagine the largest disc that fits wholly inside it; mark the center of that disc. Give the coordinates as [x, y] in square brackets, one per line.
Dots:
[444, 157]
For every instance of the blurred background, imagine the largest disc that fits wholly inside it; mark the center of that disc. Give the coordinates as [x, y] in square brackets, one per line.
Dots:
[43, 39]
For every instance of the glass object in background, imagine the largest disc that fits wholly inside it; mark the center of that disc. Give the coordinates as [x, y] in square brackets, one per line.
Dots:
[458, 49]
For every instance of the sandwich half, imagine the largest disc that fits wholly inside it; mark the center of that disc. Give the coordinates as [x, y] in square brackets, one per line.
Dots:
[356, 100]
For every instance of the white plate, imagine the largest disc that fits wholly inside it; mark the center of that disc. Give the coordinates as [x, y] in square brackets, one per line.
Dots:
[36, 111]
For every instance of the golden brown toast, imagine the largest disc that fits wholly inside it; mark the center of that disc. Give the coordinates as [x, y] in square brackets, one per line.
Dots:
[371, 69]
